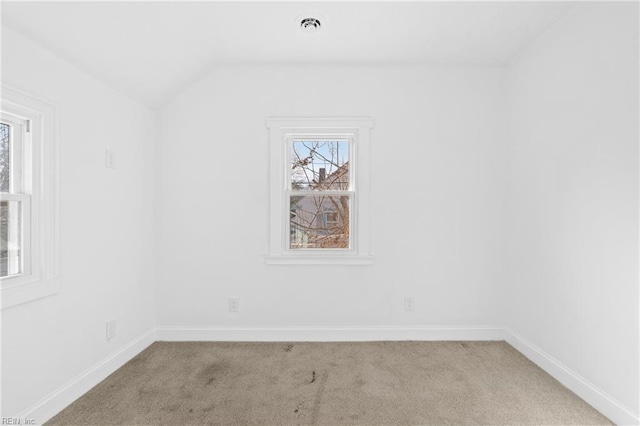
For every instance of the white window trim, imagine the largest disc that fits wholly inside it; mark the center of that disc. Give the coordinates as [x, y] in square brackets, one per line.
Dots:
[43, 278]
[357, 129]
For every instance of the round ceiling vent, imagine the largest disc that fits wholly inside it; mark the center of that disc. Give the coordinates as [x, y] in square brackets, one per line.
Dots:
[310, 25]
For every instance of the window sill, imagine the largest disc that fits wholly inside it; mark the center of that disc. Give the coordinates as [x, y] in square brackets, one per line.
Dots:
[319, 260]
[26, 292]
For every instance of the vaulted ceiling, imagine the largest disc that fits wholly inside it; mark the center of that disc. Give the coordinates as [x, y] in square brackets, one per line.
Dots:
[152, 50]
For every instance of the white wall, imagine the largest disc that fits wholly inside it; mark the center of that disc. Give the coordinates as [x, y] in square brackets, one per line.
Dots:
[572, 282]
[437, 164]
[106, 226]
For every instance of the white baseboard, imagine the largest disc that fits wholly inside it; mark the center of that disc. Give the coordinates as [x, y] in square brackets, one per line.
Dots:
[327, 334]
[55, 402]
[594, 396]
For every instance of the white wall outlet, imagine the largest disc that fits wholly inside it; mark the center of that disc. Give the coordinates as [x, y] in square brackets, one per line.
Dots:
[408, 304]
[110, 159]
[111, 329]
[234, 304]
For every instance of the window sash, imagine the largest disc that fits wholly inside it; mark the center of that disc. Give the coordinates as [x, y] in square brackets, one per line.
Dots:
[290, 138]
[19, 186]
[24, 234]
[313, 193]
[18, 150]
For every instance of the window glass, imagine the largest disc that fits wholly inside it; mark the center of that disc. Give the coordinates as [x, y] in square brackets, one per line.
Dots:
[319, 165]
[318, 221]
[5, 157]
[10, 238]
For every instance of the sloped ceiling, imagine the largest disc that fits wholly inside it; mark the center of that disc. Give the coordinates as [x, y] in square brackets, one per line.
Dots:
[152, 50]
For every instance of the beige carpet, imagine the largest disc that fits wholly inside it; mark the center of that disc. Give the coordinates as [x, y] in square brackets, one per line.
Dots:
[373, 383]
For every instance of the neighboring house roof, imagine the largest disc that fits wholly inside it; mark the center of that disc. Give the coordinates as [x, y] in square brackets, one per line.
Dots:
[339, 179]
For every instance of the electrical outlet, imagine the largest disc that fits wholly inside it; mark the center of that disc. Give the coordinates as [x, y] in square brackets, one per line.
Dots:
[110, 159]
[234, 304]
[111, 329]
[408, 304]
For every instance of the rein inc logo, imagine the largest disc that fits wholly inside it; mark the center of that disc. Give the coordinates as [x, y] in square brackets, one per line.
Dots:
[16, 421]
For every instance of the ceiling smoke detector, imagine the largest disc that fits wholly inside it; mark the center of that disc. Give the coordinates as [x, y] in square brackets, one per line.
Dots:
[310, 25]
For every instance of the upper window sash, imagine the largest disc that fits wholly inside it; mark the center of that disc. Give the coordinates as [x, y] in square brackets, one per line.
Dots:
[325, 141]
[19, 149]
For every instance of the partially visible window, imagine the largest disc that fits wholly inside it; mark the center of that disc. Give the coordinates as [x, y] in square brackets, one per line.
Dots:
[319, 190]
[15, 201]
[29, 259]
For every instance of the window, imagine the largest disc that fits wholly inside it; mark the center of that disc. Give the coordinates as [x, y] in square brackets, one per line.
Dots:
[319, 190]
[29, 264]
[15, 201]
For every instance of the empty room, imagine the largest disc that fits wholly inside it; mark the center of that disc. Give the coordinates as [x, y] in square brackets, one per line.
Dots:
[332, 213]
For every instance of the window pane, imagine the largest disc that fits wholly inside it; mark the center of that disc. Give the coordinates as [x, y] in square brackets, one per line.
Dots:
[5, 160]
[319, 222]
[320, 165]
[10, 238]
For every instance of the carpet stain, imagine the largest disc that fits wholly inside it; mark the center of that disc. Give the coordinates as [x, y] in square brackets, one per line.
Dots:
[288, 348]
[170, 408]
[302, 408]
[212, 372]
[318, 401]
[313, 376]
